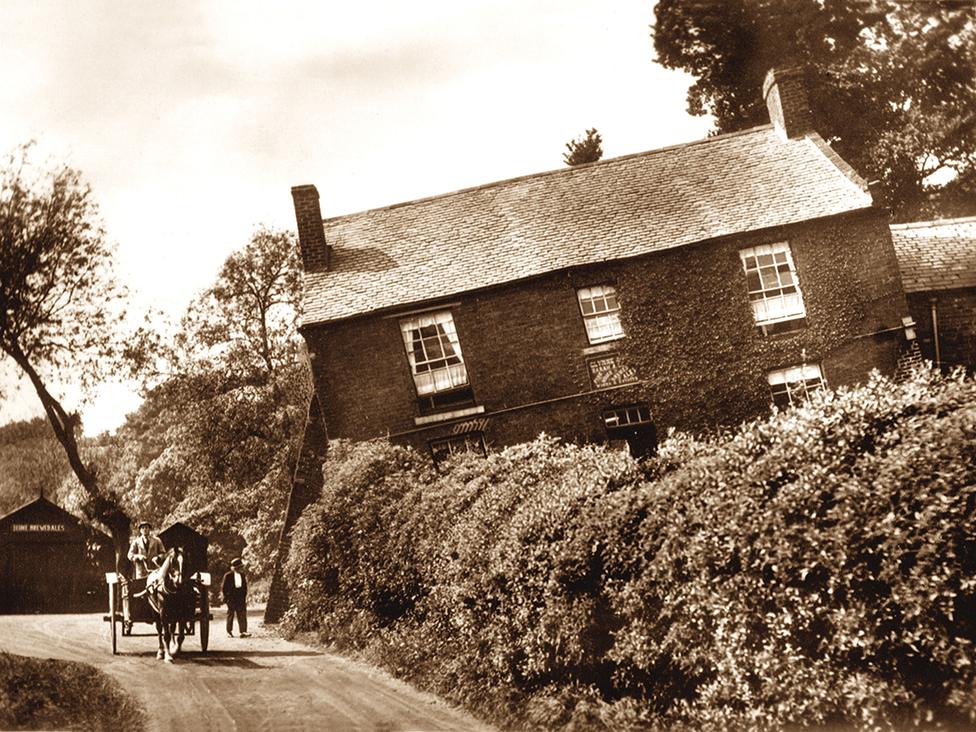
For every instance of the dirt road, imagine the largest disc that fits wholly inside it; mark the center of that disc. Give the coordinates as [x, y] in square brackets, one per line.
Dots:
[257, 683]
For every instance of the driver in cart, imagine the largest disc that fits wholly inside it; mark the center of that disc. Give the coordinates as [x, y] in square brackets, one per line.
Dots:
[145, 551]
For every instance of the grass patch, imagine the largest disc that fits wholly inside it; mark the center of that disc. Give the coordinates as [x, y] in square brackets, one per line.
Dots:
[41, 693]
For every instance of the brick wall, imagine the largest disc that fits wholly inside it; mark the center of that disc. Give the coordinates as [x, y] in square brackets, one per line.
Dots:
[956, 316]
[785, 93]
[690, 338]
[311, 232]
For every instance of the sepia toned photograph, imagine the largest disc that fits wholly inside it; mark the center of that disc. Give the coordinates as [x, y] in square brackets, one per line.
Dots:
[489, 365]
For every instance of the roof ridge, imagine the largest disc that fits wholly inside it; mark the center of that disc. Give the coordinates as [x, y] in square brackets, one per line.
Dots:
[842, 165]
[554, 171]
[32, 501]
[933, 222]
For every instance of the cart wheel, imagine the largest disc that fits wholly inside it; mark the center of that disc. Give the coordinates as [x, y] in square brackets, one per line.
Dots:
[113, 617]
[204, 619]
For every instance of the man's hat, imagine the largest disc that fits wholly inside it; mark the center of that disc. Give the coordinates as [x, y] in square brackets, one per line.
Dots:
[236, 562]
[145, 523]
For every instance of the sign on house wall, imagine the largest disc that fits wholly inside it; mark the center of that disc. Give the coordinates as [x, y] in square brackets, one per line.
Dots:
[608, 371]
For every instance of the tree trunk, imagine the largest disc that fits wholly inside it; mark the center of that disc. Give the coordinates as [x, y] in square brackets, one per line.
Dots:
[104, 508]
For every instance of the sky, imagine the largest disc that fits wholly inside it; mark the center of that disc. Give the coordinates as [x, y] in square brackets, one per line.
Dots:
[191, 121]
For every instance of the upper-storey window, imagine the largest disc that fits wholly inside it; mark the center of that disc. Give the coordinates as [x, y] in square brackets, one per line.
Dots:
[601, 313]
[773, 287]
[434, 352]
[795, 384]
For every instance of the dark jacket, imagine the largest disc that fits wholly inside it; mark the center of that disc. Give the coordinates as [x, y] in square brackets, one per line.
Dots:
[234, 596]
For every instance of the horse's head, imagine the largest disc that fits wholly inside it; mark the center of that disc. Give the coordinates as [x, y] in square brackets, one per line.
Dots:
[171, 570]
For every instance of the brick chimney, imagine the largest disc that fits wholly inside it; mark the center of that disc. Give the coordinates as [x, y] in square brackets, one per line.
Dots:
[316, 253]
[785, 93]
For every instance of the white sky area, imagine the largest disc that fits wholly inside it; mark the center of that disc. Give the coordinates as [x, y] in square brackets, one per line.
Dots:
[192, 120]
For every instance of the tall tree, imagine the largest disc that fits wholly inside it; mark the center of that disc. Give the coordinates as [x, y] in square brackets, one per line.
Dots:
[248, 317]
[60, 306]
[584, 149]
[892, 85]
[213, 444]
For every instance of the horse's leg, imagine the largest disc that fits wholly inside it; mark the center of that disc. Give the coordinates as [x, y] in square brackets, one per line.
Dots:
[174, 641]
[159, 635]
[167, 636]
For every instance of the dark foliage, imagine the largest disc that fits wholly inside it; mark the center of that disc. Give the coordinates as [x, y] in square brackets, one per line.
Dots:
[812, 568]
[892, 84]
[584, 149]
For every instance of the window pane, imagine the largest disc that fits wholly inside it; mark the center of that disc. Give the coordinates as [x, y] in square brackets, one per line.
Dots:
[432, 346]
[769, 279]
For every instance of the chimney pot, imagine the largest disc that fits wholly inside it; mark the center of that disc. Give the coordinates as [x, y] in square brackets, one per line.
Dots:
[316, 253]
[785, 93]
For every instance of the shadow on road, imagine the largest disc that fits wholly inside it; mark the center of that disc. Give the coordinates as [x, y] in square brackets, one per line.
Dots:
[262, 654]
[241, 659]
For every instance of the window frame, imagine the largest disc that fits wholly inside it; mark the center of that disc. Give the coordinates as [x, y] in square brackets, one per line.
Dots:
[797, 391]
[637, 428]
[609, 314]
[781, 254]
[627, 409]
[458, 379]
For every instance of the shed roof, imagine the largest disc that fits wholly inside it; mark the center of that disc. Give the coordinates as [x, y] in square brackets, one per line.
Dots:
[42, 511]
[614, 209]
[936, 255]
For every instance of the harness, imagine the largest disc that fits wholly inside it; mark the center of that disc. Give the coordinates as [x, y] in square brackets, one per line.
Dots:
[160, 583]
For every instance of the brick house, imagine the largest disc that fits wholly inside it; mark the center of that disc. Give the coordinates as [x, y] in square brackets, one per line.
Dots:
[685, 287]
[938, 269]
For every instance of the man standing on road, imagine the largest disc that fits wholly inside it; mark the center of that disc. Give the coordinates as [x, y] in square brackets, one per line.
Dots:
[145, 550]
[234, 591]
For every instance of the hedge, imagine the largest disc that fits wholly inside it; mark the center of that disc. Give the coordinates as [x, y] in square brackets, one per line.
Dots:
[814, 568]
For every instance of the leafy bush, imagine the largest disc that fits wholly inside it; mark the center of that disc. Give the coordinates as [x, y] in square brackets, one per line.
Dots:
[817, 567]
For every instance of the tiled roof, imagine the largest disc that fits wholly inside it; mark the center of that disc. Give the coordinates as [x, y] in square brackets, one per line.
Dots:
[637, 204]
[936, 255]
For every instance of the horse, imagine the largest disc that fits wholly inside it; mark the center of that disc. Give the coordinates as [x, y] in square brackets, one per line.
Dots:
[172, 600]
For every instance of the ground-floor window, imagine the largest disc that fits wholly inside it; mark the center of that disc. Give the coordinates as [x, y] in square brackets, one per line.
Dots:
[445, 447]
[631, 425]
[795, 384]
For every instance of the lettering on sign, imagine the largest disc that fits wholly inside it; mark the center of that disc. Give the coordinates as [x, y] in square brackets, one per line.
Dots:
[472, 425]
[609, 371]
[38, 527]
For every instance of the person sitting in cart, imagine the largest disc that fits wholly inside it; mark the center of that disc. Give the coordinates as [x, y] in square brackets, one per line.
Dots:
[146, 550]
[234, 592]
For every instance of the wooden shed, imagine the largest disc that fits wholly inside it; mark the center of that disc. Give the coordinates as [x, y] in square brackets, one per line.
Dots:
[48, 560]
